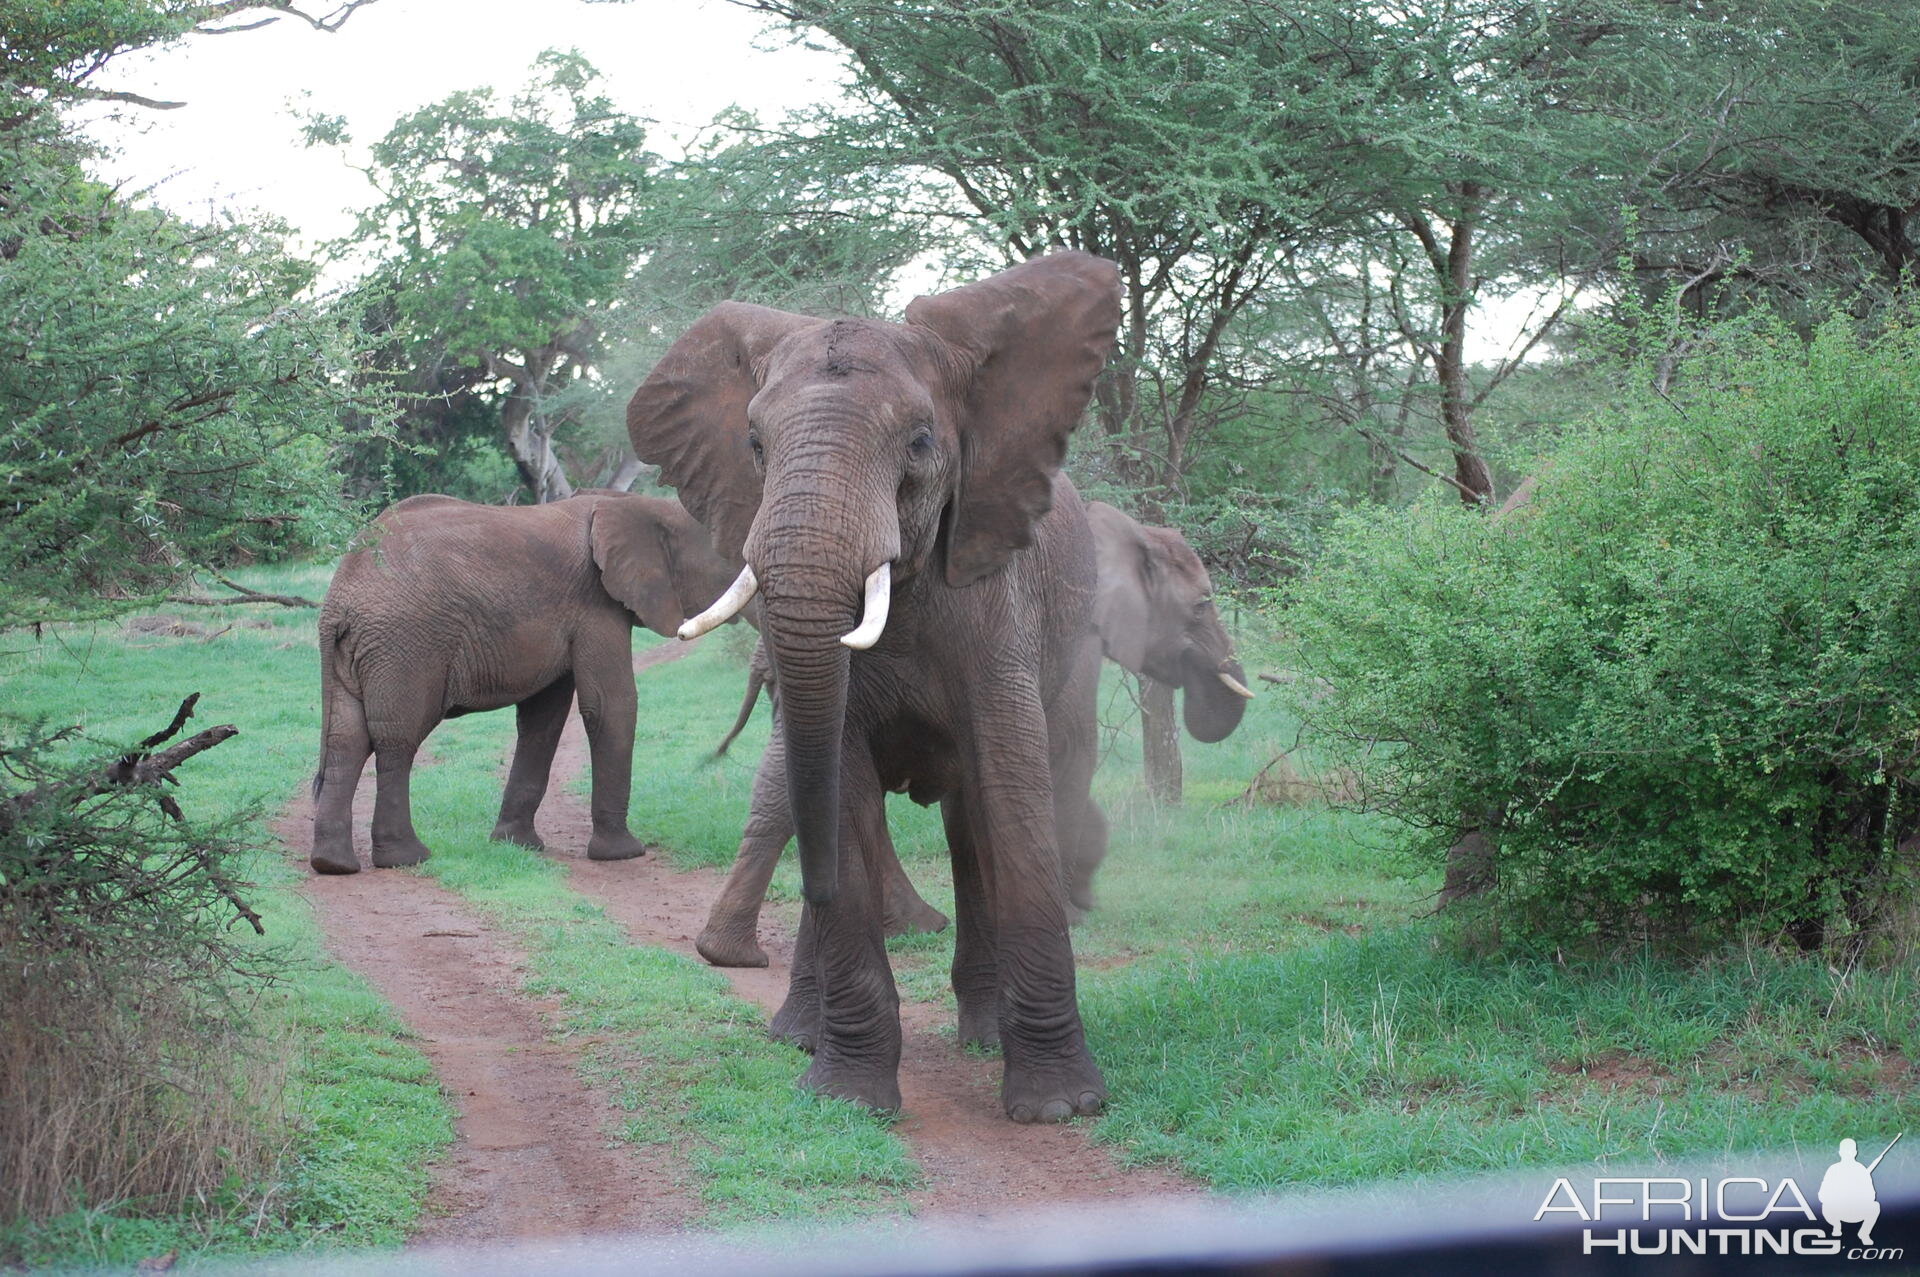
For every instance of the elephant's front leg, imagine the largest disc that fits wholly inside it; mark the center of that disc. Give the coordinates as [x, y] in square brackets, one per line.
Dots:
[1049, 1073]
[857, 1053]
[730, 938]
[603, 674]
[541, 719]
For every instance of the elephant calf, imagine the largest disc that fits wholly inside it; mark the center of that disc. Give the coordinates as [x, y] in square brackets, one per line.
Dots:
[447, 608]
[1154, 613]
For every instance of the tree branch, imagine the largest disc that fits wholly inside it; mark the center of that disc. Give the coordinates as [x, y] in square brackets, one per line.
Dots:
[1378, 442]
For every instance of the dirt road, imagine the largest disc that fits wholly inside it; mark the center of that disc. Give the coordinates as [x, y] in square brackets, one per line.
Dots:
[533, 1157]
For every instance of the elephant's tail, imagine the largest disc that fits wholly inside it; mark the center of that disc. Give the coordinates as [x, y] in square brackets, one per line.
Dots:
[329, 639]
[756, 680]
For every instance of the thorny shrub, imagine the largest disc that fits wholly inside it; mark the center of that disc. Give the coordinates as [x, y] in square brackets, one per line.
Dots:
[129, 1067]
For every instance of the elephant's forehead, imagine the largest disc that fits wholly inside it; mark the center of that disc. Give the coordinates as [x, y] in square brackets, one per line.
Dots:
[842, 350]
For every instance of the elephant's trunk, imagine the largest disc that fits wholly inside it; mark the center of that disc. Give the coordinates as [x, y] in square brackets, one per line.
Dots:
[812, 673]
[815, 553]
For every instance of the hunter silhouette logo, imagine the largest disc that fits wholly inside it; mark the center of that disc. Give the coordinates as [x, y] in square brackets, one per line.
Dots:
[1733, 1215]
[1846, 1191]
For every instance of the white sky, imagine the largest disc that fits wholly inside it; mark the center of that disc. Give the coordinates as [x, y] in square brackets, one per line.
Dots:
[236, 143]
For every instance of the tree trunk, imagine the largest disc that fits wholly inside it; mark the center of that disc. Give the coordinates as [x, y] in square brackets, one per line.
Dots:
[530, 442]
[1456, 395]
[1470, 868]
[1160, 736]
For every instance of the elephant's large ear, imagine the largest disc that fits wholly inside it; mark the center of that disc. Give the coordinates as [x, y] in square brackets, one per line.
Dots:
[1122, 603]
[633, 561]
[690, 415]
[1035, 336]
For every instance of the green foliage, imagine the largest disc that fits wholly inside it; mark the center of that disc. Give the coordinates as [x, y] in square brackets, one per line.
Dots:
[505, 234]
[1677, 688]
[124, 1043]
[50, 50]
[170, 402]
[354, 1113]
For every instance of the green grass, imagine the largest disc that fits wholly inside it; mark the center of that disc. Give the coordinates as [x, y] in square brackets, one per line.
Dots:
[1260, 983]
[369, 1117]
[1273, 1008]
[688, 1062]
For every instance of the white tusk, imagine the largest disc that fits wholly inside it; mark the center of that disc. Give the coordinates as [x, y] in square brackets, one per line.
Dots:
[1235, 686]
[724, 608]
[873, 617]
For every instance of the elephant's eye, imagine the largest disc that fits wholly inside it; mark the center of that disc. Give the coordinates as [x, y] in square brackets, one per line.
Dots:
[753, 442]
[921, 445]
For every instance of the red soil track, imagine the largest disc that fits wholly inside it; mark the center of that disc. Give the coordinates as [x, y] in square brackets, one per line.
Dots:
[534, 1157]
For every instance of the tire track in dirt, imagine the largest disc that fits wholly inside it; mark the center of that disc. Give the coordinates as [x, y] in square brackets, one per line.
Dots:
[978, 1164]
[532, 1156]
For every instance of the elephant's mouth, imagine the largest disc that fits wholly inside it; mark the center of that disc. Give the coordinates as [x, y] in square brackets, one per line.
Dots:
[1214, 695]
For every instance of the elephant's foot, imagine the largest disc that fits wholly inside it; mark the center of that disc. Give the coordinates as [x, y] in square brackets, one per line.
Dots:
[730, 946]
[334, 860]
[520, 833]
[1053, 1090]
[873, 1088]
[614, 846]
[797, 1023]
[914, 918]
[396, 853]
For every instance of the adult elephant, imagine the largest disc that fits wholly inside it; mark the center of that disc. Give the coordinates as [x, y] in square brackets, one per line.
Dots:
[1153, 611]
[448, 608]
[925, 576]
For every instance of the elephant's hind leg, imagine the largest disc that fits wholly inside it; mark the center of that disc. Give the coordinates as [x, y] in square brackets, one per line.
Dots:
[394, 841]
[731, 936]
[342, 754]
[976, 977]
[541, 719]
[907, 914]
[398, 721]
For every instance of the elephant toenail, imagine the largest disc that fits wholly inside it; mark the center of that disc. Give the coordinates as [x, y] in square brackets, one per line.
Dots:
[1055, 1111]
[1021, 1113]
[1090, 1103]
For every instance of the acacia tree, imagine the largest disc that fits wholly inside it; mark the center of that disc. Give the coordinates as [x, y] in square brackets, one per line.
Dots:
[1169, 139]
[504, 236]
[170, 396]
[1785, 137]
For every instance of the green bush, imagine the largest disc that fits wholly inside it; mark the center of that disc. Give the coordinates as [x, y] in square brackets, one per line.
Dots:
[1680, 690]
[130, 1069]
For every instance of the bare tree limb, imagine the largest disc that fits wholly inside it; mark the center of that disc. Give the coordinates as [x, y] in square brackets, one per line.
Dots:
[90, 94]
[244, 595]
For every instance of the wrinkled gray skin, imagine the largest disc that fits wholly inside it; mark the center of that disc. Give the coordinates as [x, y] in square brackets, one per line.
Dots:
[1154, 613]
[449, 608]
[824, 450]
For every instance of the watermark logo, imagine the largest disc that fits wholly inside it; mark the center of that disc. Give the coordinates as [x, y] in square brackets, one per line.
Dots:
[1738, 1215]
